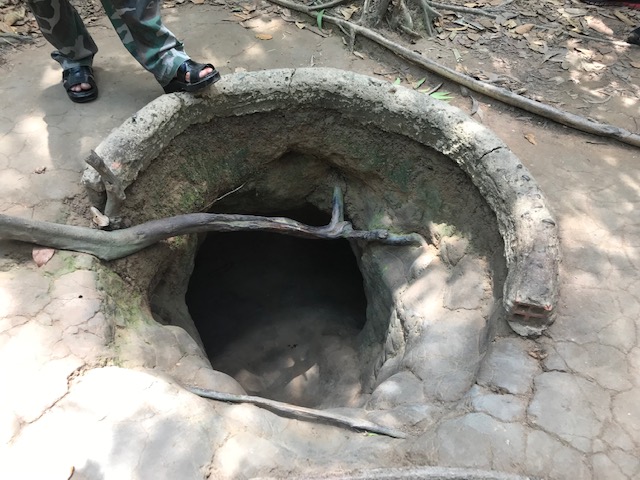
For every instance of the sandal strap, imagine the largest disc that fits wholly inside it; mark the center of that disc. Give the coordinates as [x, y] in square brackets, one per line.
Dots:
[76, 75]
[194, 69]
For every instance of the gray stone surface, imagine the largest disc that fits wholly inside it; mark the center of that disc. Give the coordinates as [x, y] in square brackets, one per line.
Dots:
[508, 367]
[576, 422]
[548, 457]
[399, 389]
[504, 407]
[487, 443]
[121, 411]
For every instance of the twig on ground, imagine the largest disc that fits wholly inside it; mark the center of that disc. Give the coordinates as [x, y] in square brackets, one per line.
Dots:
[323, 6]
[110, 245]
[434, 89]
[299, 413]
[14, 36]
[565, 118]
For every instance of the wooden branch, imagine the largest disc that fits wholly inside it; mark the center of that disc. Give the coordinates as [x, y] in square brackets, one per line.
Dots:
[429, 15]
[110, 245]
[112, 185]
[331, 4]
[564, 118]
[299, 413]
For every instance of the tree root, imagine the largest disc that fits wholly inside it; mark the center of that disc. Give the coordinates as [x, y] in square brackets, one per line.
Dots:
[564, 118]
[112, 185]
[331, 4]
[299, 413]
[429, 16]
[111, 245]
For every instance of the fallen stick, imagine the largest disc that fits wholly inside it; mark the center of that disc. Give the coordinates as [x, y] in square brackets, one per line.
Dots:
[298, 413]
[111, 245]
[564, 118]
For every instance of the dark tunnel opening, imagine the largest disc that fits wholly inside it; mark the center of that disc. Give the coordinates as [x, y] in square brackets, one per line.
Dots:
[280, 314]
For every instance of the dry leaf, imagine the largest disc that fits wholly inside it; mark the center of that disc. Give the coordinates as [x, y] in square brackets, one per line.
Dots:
[593, 66]
[623, 18]
[347, 13]
[635, 64]
[598, 25]
[522, 29]
[40, 170]
[575, 12]
[41, 255]
[531, 138]
[358, 54]
[4, 28]
[264, 36]
[99, 218]
[539, 46]
[487, 23]
[13, 17]
[197, 2]
[474, 36]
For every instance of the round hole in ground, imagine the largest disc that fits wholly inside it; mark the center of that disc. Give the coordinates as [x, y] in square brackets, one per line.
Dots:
[281, 314]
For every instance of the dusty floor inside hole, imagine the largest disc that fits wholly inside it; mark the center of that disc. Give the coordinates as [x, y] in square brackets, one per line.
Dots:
[281, 314]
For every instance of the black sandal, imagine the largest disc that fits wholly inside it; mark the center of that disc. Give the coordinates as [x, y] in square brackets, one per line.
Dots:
[76, 76]
[195, 83]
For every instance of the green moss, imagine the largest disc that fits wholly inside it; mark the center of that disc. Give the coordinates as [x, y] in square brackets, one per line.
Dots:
[125, 305]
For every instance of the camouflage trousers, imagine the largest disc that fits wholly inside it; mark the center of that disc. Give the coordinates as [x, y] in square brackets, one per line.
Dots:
[137, 22]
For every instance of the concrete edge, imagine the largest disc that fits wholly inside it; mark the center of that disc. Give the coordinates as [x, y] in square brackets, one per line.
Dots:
[525, 222]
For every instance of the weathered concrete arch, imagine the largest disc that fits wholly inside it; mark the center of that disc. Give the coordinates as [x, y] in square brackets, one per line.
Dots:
[524, 220]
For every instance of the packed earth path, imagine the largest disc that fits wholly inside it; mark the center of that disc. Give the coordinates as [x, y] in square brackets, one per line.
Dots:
[565, 405]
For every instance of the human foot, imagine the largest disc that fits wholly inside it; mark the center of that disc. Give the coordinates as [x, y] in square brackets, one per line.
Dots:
[80, 84]
[206, 74]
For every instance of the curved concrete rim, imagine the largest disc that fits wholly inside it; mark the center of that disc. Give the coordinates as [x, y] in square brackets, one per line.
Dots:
[525, 222]
[414, 473]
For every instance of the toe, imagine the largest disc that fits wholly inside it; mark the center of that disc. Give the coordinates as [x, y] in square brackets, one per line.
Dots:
[80, 87]
[203, 73]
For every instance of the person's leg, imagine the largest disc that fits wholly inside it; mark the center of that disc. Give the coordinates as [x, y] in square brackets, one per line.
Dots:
[63, 28]
[140, 27]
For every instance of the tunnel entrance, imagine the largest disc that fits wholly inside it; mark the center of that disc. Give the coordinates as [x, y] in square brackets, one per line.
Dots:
[281, 314]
